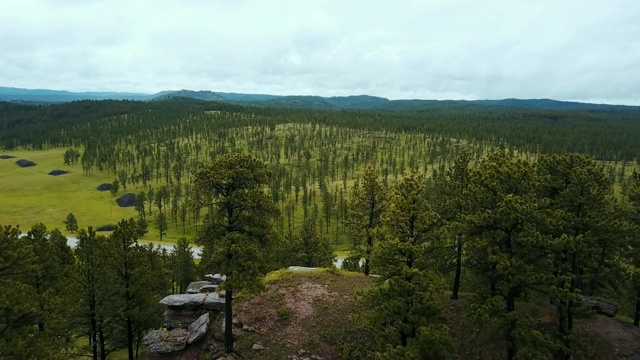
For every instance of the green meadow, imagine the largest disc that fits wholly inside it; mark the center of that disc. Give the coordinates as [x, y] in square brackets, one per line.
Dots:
[30, 196]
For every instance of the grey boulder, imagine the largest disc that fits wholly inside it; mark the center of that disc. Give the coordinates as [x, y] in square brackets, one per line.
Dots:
[183, 301]
[301, 268]
[198, 286]
[216, 279]
[211, 301]
[165, 342]
[198, 329]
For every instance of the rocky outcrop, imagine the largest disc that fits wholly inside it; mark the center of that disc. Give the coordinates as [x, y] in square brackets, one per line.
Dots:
[175, 319]
[164, 342]
[187, 317]
[198, 329]
[214, 301]
[183, 301]
[57, 172]
[210, 301]
[104, 187]
[108, 227]
[301, 268]
[216, 279]
[201, 287]
[126, 200]
[25, 163]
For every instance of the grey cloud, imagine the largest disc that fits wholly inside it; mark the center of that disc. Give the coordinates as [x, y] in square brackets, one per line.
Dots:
[573, 50]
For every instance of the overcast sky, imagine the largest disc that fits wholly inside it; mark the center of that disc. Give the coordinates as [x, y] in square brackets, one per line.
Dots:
[587, 50]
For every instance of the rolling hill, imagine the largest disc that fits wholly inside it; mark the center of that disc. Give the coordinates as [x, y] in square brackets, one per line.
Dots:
[355, 102]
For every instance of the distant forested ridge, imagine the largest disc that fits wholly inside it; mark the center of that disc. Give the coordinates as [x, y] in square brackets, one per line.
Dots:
[606, 133]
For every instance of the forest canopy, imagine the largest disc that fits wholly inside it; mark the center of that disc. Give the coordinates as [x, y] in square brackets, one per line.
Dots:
[607, 133]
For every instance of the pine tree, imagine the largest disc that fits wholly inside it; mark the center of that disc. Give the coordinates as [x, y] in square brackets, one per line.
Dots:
[307, 248]
[585, 231]
[407, 312]
[18, 304]
[35, 300]
[238, 231]
[368, 202]
[131, 271]
[184, 268]
[451, 192]
[95, 311]
[141, 198]
[115, 187]
[161, 224]
[633, 214]
[70, 223]
[142, 227]
[506, 247]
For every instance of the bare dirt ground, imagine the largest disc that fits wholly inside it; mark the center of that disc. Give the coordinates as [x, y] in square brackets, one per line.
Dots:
[614, 339]
[300, 316]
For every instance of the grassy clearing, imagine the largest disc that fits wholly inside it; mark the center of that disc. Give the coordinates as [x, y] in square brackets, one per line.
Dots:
[30, 196]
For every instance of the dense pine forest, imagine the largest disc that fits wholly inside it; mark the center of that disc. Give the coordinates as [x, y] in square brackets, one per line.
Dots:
[515, 212]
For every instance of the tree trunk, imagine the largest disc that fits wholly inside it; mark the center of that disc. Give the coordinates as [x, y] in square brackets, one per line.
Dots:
[93, 337]
[636, 313]
[228, 322]
[511, 307]
[130, 338]
[574, 271]
[562, 318]
[456, 279]
[367, 254]
[366, 266]
[103, 348]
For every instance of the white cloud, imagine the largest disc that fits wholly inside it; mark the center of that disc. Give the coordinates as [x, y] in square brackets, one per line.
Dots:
[570, 50]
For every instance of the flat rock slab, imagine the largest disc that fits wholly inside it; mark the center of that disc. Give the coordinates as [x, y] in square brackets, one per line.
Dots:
[126, 200]
[57, 172]
[211, 301]
[198, 329]
[197, 286]
[25, 163]
[4, 157]
[184, 301]
[165, 342]
[104, 187]
[216, 279]
[301, 268]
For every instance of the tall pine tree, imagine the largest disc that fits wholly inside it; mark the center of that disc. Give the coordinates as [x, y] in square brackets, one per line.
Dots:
[407, 311]
[368, 202]
[238, 232]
